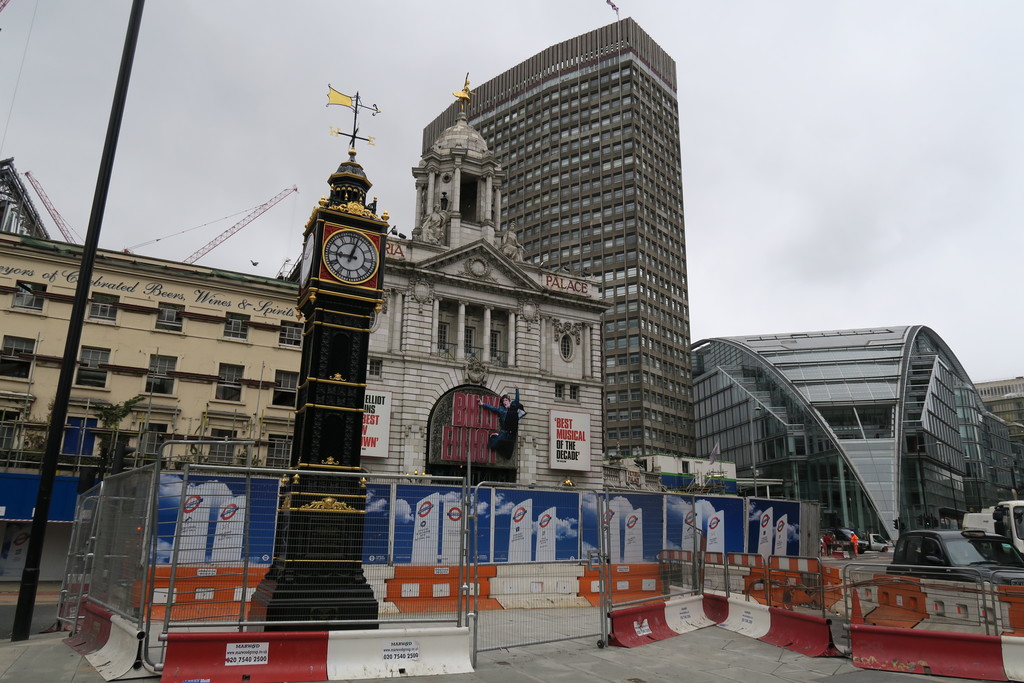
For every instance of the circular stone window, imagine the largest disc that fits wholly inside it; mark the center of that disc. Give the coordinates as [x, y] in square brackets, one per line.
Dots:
[565, 346]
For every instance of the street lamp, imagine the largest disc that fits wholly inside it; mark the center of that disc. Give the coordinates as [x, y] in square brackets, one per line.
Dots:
[753, 442]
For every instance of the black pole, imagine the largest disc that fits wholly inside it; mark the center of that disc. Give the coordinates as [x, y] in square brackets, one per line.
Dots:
[54, 436]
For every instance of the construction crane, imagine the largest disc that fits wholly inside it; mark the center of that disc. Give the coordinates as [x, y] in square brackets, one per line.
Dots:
[249, 218]
[70, 235]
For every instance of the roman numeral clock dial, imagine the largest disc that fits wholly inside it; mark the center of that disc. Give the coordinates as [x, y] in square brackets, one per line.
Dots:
[350, 256]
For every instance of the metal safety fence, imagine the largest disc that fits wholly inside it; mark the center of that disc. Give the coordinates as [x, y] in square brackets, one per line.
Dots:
[201, 547]
[187, 545]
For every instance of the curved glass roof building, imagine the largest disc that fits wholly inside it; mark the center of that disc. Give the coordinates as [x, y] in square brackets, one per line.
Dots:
[878, 425]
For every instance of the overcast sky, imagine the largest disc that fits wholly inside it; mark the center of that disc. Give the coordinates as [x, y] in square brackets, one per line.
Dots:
[845, 164]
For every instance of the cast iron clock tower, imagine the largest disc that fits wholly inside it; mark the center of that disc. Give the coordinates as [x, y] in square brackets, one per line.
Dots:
[317, 572]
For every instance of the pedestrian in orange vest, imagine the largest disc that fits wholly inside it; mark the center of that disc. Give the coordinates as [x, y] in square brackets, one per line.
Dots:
[853, 542]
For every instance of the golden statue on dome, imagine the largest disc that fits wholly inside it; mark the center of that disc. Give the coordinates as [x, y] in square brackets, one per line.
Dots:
[463, 96]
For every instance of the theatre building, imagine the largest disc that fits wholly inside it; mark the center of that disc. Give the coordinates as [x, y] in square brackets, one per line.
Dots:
[466, 320]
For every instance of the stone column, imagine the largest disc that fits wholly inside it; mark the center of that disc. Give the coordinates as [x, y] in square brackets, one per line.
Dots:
[497, 212]
[419, 203]
[395, 337]
[511, 338]
[486, 355]
[430, 196]
[436, 313]
[460, 343]
[486, 216]
[587, 357]
[456, 202]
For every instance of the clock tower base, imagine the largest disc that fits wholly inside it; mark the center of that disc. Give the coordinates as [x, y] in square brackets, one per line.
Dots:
[330, 596]
[317, 574]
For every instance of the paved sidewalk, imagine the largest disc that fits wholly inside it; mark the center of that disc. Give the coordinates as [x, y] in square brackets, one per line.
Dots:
[710, 655]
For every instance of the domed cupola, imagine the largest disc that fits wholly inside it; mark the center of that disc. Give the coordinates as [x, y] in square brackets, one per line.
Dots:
[349, 183]
[458, 186]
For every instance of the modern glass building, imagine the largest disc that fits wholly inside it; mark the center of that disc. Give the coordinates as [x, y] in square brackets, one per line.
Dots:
[882, 426]
[587, 132]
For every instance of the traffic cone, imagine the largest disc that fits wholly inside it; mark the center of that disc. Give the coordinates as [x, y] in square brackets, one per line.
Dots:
[856, 613]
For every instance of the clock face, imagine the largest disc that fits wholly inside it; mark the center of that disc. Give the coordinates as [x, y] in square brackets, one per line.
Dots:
[350, 256]
[307, 261]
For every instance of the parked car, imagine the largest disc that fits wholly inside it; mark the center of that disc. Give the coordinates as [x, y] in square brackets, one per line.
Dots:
[954, 555]
[844, 539]
[879, 543]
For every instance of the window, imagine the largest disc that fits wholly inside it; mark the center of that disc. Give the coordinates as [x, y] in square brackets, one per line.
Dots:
[29, 296]
[8, 419]
[12, 362]
[574, 392]
[375, 367]
[168, 317]
[222, 453]
[559, 390]
[443, 345]
[79, 436]
[158, 381]
[565, 347]
[236, 326]
[285, 384]
[89, 372]
[469, 339]
[290, 334]
[150, 440]
[103, 307]
[229, 382]
[279, 450]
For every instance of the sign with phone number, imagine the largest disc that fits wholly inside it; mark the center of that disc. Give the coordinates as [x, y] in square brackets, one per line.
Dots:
[244, 654]
[401, 650]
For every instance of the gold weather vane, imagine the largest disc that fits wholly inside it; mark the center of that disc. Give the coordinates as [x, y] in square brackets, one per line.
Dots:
[355, 104]
[463, 96]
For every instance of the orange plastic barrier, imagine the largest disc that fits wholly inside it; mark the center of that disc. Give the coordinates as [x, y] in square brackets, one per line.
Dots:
[1011, 598]
[795, 581]
[901, 604]
[200, 594]
[436, 589]
[629, 582]
[833, 586]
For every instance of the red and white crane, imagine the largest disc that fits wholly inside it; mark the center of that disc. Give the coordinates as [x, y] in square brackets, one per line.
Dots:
[69, 234]
[249, 218]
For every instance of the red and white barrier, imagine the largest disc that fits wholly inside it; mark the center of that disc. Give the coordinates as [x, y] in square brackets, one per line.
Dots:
[639, 625]
[804, 633]
[1013, 657]
[273, 656]
[93, 632]
[683, 615]
[940, 653]
[747, 618]
[120, 657]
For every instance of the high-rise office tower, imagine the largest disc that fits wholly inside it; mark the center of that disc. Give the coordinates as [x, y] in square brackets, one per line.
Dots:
[588, 134]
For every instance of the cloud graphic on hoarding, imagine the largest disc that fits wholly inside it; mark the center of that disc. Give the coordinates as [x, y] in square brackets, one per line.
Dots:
[567, 528]
[375, 503]
[620, 505]
[704, 509]
[677, 507]
[403, 511]
[170, 485]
